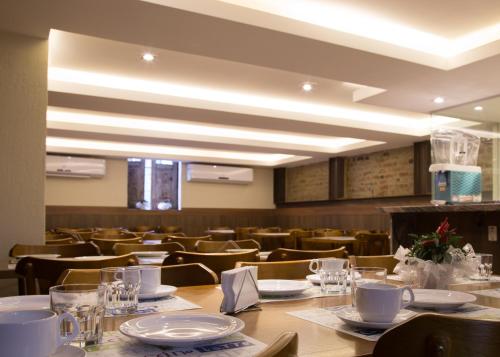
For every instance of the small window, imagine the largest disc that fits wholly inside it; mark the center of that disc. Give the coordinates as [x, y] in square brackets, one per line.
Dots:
[153, 184]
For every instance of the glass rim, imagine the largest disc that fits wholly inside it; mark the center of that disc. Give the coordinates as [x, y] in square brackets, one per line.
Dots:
[82, 288]
[120, 269]
[369, 268]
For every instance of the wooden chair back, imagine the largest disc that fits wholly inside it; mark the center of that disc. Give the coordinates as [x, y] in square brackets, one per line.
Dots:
[189, 243]
[298, 234]
[372, 244]
[296, 269]
[434, 335]
[293, 254]
[206, 246]
[50, 235]
[318, 243]
[123, 235]
[248, 244]
[327, 232]
[216, 228]
[169, 229]
[109, 231]
[154, 236]
[176, 275]
[244, 232]
[126, 248]
[143, 229]
[382, 261]
[217, 262]
[271, 241]
[106, 245]
[286, 345]
[69, 240]
[65, 250]
[45, 272]
[268, 230]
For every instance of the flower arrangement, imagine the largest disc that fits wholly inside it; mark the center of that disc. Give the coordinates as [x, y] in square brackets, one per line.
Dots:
[438, 246]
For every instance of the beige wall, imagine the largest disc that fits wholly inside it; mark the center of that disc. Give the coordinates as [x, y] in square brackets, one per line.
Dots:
[258, 194]
[109, 191]
[23, 104]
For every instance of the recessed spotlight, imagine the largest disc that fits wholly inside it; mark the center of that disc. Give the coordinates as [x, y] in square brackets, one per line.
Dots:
[478, 108]
[439, 100]
[307, 87]
[148, 57]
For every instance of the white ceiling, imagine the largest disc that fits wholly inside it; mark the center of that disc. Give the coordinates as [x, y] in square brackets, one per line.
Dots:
[226, 82]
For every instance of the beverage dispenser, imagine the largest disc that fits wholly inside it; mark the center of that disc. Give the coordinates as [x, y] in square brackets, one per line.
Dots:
[455, 176]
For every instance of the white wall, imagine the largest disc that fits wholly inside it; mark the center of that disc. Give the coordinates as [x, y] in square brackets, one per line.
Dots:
[108, 191]
[258, 194]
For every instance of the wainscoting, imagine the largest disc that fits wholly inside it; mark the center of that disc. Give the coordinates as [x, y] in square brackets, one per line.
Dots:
[362, 214]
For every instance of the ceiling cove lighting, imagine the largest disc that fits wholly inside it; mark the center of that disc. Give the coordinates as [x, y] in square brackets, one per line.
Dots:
[478, 108]
[406, 125]
[148, 57]
[438, 100]
[268, 159]
[351, 20]
[56, 115]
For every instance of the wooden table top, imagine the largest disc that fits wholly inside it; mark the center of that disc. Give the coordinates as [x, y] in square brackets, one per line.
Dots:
[277, 234]
[314, 340]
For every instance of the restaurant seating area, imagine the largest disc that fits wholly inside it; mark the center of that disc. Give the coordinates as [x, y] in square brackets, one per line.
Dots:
[249, 178]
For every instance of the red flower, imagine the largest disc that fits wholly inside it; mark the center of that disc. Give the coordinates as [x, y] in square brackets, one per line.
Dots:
[443, 230]
[428, 242]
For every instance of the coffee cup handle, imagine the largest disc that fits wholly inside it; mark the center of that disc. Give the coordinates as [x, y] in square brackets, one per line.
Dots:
[311, 265]
[412, 297]
[61, 340]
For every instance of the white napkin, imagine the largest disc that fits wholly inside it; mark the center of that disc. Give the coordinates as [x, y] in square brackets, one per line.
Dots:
[240, 289]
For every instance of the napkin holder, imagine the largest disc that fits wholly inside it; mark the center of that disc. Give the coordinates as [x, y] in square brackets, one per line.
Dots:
[240, 290]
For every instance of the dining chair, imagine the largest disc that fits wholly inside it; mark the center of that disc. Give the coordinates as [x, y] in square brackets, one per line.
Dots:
[372, 244]
[298, 234]
[328, 232]
[106, 245]
[207, 246]
[45, 272]
[65, 250]
[218, 228]
[122, 235]
[271, 241]
[169, 229]
[434, 335]
[69, 240]
[143, 229]
[286, 345]
[381, 261]
[283, 254]
[218, 262]
[189, 243]
[126, 248]
[155, 236]
[295, 269]
[248, 244]
[244, 232]
[176, 275]
[110, 231]
[269, 230]
[326, 243]
[52, 235]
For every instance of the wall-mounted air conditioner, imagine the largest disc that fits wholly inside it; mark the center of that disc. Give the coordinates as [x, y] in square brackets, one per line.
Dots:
[217, 173]
[69, 166]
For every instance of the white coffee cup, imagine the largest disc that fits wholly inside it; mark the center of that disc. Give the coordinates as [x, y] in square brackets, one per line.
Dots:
[150, 279]
[33, 333]
[377, 302]
[327, 264]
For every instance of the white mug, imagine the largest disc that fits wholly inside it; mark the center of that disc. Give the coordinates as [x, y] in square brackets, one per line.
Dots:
[327, 264]
[377, 302]
[150, 279]
[34, 333]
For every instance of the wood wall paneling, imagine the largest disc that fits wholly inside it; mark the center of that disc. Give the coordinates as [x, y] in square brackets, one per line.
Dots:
[279, 185]
[337, 176]
[421, 162]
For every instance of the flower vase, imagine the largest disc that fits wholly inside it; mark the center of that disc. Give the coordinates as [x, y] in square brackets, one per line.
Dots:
[431, 275]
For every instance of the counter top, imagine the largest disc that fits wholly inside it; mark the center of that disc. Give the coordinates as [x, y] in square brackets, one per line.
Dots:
[470, 207]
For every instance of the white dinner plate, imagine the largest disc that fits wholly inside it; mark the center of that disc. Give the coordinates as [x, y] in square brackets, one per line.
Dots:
[43, 256]
[161, 291]
[275, 287]
[69, 351]
[25, 302]
[180, 330]
[314, 278]
[93, 257]
[441, 299]
[151, 253]
[351, 317]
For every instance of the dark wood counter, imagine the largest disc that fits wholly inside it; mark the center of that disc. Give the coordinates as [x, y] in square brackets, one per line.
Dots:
[470, 220]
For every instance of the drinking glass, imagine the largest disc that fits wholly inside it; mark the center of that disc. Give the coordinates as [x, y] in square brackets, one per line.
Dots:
[484, 266]
[85, 302]
[365, 275]
[122, 289]
[332, 274]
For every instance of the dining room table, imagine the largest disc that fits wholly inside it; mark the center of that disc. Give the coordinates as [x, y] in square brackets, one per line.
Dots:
[315, 340]
[271, 241]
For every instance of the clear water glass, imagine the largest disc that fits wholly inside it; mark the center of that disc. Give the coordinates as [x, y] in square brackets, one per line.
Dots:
[86, 303]
[122, 289]
[365, 275]
[333, 282]
[484, 265]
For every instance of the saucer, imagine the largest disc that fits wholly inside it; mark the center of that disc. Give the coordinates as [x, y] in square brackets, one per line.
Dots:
[161, 291]
[351, 317]
[69, 351]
